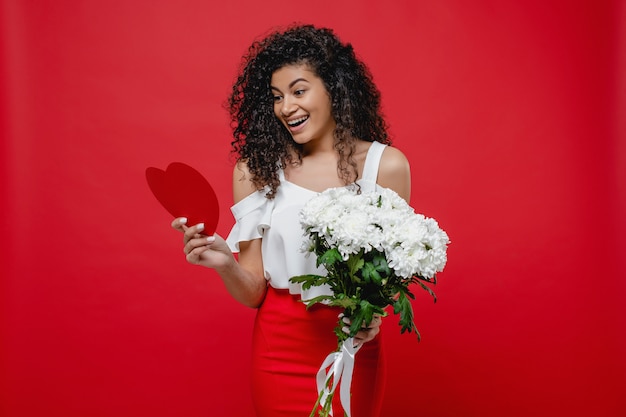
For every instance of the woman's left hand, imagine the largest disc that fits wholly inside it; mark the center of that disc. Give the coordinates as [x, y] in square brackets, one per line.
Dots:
[367, 333]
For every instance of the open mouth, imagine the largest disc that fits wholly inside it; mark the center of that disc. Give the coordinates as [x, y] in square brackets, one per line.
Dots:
[298, 121]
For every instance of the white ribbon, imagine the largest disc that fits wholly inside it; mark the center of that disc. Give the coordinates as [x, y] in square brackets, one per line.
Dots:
[341, 365]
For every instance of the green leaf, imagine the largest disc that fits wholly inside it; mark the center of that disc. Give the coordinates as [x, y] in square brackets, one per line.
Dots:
[367, 271]
[355, 263]
[309, 280]
[305, 278]
[403, 307]
[329, 257]
[345, 302]
[380, 263]
[363, 315]
[429, 290]
[376, 278]
[357, 319]
[318, 299]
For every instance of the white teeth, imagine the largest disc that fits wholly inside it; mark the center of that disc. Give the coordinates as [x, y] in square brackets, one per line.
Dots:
[297, 121]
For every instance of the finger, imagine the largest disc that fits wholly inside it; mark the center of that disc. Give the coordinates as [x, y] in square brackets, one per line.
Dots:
[198, 241]
[361, 334]
[179, 224]
[194, 251]
[193, 257]
[366, 335]
[376, 321]
[358, 340]
[193, 232]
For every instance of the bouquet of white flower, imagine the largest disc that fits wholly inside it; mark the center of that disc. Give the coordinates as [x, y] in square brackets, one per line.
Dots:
[373, 246]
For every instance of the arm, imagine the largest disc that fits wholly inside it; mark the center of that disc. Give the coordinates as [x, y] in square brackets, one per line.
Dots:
[244, 280]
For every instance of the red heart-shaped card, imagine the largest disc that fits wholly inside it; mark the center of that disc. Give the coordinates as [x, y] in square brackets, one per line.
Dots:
[184, 192]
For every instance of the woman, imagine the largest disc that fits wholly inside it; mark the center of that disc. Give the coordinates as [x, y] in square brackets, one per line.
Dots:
[306, 118]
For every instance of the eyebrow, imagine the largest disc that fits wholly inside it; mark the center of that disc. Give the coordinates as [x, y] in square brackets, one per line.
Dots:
[291, 84]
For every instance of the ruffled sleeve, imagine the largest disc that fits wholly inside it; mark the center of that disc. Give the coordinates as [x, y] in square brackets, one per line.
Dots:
[252, 219]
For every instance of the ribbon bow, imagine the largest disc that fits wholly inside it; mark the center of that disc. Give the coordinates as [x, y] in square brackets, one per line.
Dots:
[341, 365]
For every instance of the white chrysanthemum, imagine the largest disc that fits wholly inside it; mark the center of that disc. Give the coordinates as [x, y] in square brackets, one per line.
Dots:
[419, 248]
[357, 232]
[381, 220]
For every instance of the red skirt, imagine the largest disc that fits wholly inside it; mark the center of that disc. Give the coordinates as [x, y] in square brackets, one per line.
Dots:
[289, 345]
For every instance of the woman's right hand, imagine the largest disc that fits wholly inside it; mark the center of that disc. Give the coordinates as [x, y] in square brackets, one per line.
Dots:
[208, 251]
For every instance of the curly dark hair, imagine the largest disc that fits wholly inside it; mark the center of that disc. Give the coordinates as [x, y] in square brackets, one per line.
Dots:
[262, 141]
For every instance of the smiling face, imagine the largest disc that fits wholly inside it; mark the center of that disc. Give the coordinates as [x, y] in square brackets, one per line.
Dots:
[302, 104]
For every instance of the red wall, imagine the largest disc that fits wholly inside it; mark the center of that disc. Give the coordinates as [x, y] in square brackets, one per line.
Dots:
[510, 113]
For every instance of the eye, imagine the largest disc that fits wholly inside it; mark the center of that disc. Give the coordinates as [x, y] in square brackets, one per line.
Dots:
[299, 92]
[277, 98]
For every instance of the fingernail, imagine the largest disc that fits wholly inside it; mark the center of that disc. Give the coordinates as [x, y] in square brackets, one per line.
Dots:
[200, 227]
[345, 329]
[183, 220]
[210, 239]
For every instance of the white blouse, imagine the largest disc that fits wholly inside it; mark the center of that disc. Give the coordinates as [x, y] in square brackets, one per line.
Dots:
[277, 223]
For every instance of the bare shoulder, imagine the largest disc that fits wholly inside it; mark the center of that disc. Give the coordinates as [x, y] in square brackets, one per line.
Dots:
[242, 183]
[394, 161]
[395, 172]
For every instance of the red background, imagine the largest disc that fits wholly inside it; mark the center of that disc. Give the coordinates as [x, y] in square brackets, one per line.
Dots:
[511, 114]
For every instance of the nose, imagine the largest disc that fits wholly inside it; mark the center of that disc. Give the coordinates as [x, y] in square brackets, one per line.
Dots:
[288, 107]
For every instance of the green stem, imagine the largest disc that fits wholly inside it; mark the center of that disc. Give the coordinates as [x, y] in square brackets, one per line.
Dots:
[327, 406]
